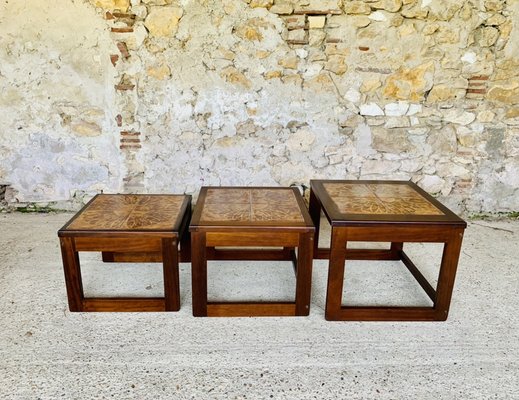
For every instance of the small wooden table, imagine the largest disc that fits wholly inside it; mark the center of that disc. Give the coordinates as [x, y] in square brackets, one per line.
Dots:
[131, 228]
[385, 211]
[238, 217]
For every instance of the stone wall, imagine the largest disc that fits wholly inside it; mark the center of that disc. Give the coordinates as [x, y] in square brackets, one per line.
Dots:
[169, 95]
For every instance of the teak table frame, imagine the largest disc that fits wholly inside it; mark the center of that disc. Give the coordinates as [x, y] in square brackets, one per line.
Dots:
[357, 215]
[127, 228]
[251, 217]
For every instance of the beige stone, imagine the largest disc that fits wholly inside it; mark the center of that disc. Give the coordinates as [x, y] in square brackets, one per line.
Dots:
[356, 7]
[163, 21]
[443, 10]
[251, 29]
[429, 29]
[406, 30]
[486, 116]
[226, 54]
[273, 74]
[496, 19]
[396, 20]
[410, 84]
[447, 35]
[466, 12]
[512, 113]
[370, 85]
[414, 11]
[293, 79]
[493, 5]
[113, 4]
[262, 54]
[508, 95]
[316, 37]
[159, 72]
[84, 128]
[337, 65]
[157, 2]
[316, 22]
[232, 75]
[282, 8]
[388, 5]
[297, 35]
[441, 93]
[261, 3]
[360, 21]
[289, 62]
[321, 83]
[250, 33]
[390, 140]
[487, 36]
[443, 141]
[336, 49]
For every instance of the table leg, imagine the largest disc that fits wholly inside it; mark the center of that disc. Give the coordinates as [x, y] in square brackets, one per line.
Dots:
[171, 275]
[449, 265]
[336, 267]
[304, 274]
[199, 274]
[396, 250]
[315, 214]
[72, 274]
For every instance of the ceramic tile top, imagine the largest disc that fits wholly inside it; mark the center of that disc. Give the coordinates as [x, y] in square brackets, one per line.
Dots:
[129, 212]
[379, 198]
[250, 205]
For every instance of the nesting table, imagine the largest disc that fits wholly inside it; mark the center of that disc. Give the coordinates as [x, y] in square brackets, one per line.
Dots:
[127, 228]
[244, 223]
[384, 211]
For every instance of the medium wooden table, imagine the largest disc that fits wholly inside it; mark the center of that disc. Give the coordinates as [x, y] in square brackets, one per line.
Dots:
[237, 217]
[384, 211]
[127, 228]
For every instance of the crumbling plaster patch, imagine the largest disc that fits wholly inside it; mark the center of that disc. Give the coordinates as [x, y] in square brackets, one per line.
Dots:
[56, 124]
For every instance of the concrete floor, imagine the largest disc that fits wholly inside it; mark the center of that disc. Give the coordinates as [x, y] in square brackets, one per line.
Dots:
[48, 353]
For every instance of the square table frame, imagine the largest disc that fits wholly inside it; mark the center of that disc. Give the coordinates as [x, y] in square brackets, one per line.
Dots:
[447, 229]
[205, 238]
[126, 246]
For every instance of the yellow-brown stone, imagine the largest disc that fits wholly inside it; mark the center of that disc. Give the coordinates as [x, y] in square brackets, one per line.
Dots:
[356, 7]
[159, 72]
[232, 75]
[508, 95]
[441, 93]
[273, 74]
[289, 62]
[410, 84]
[261, 3]
[250, 30]
[121, 5]
[84, 128]
[163, 21]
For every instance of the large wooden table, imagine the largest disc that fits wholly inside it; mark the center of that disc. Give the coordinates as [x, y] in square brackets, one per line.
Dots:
[127, 228]
[227, 219]
[384, 211]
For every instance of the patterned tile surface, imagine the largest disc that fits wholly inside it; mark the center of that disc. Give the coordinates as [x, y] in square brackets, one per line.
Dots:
[250, 205]
[380, 198]
[129, 212]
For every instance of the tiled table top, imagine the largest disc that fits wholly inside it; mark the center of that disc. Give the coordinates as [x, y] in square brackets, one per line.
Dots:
[250, 206]
[380, 201]
[129, 213]
[368, 198]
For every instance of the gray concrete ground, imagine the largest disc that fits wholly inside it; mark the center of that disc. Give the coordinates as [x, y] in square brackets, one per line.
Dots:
[46, 352]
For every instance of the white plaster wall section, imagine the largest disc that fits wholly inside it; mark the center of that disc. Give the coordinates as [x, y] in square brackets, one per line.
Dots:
[54, 168]
[55, 68]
